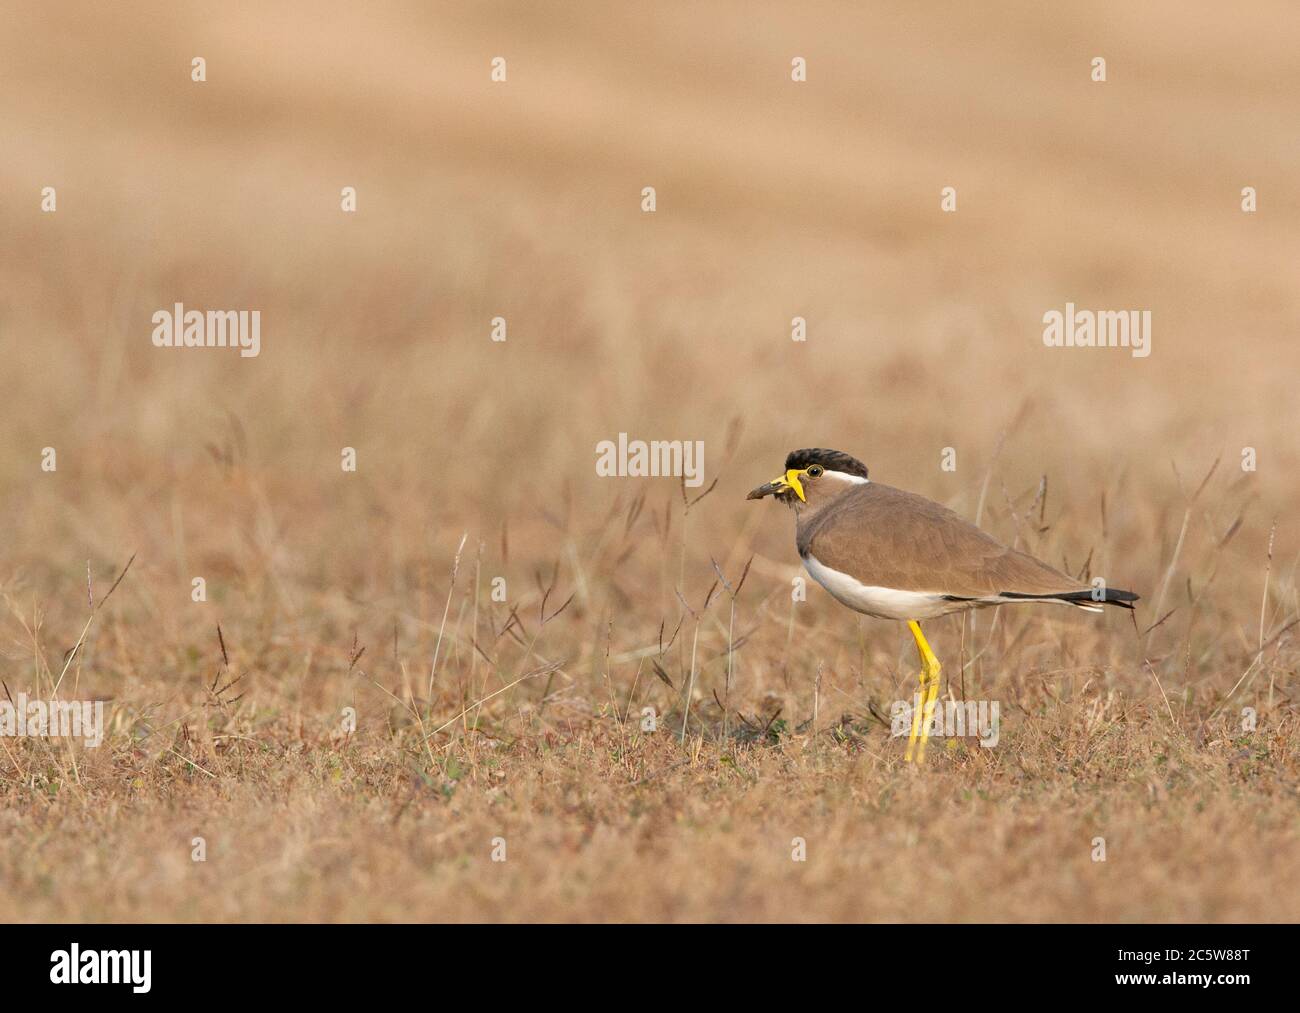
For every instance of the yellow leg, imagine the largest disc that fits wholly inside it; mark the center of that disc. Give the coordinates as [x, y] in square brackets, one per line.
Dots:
[927, 719]
[929, 680]
[916, 719]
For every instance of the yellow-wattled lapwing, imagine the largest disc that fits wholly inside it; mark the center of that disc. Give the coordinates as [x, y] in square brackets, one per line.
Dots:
[896, 555]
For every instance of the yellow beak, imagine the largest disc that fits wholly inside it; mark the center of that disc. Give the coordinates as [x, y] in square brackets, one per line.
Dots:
[790, 480]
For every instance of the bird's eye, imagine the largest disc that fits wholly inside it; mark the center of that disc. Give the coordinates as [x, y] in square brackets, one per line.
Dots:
[815, 471]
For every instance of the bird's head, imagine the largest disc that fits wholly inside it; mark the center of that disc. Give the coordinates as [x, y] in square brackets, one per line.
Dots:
[813, 478]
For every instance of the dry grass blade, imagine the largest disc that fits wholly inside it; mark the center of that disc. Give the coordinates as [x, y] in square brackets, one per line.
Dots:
[658, 670]
[118, 581]
[446, 609]
[544, 670]
[72, 653]
[1182, 535]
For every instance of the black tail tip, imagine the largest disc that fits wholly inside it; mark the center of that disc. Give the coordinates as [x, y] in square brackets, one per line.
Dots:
[1111, 596]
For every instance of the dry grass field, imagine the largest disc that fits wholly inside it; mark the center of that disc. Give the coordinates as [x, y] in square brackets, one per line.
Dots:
[521, 720]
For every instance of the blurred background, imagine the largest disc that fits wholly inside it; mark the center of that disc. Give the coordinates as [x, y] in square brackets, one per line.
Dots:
[522, 200]
[775, 199]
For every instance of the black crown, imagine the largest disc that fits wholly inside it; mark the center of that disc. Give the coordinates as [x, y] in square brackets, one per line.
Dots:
[831, 460]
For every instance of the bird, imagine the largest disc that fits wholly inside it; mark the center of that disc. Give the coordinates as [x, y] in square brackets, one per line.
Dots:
[892, 554]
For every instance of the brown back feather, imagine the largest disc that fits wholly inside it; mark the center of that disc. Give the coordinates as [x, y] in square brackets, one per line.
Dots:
[886, 537]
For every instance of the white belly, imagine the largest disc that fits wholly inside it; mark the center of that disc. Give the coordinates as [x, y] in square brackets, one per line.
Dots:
[881, 602]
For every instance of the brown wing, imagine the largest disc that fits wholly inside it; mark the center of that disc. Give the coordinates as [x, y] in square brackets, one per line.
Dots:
[886, 537]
